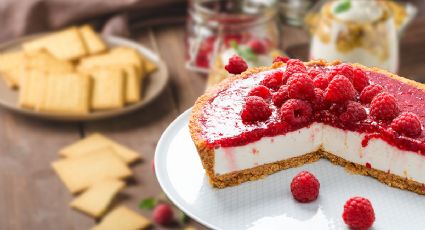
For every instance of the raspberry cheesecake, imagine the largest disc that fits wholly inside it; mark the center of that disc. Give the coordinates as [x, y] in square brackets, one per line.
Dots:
[273, 118]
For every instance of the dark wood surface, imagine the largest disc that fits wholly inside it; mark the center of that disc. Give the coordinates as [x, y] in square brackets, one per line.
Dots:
[33, 197]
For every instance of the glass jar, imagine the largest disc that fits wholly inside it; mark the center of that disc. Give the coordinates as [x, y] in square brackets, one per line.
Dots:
[216, 26]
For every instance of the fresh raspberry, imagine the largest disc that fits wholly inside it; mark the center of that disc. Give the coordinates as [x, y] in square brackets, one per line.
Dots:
[407, 124]
[360, 80]
[354, 112]
[305, 187]
[236, 65]
[163, 214]
[339, 89]
[296, 112]
[321, 81]
[313, 72]
[369, 92]
[384, 107]
[280, 96]
[344, 70]
[358, 213]
[273, 80]
[255, 109]
[294, 66]
[301, 87]
[318, 103]
[281, 59]
[258, 46]
[260, 91]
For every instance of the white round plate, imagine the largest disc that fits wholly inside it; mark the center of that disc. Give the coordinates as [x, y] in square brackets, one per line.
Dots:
[268, 203]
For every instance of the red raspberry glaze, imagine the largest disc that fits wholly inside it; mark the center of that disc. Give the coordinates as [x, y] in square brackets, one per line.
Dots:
[223, 126]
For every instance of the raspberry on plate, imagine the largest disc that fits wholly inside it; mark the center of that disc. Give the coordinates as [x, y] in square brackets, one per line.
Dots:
[384, 107]
[258, 46]
[162, 214]
[354, 112]
[360, 80]
[369, 92]
[340, 89]
[260, 91]
[280, 96]
[273, 80]
[296, 112]
[281, 59]
[301, 86]
[236, 65]
[407, 124]
[305, 187]
[321, 81]
[255, 109]
[358, 213]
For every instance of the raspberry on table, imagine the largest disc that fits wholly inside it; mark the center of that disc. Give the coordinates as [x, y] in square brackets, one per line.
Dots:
[407, 124]
[255, 109]
[163, 214]
[354, 112]
[280, 96]
[258, 46]
[384, 107]
[369, 92]
[305, 187]
[301, 86]
[321, 81]
[260, 91]
[340, 89]
[360, 80]
[273, 80]
[236, 65]
[358, 213]
[296, 112]
[281, 59]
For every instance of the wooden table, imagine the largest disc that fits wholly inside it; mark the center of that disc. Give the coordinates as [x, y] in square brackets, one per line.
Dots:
[33, 197]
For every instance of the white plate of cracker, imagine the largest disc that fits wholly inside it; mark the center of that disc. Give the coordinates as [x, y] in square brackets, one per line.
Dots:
[77, 75]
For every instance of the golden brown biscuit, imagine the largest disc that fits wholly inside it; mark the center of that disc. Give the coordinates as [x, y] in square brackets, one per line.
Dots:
[92, 40]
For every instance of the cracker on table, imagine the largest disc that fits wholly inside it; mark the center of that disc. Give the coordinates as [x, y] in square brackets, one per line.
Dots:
[93, 42]
[97, 198]
[97, 142]
[33, 87]
[107, 88]
[80, 173]
[66, 94]
[66, 44]
[122, 218]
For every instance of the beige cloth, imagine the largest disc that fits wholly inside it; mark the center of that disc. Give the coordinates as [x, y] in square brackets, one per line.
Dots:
[20, 17]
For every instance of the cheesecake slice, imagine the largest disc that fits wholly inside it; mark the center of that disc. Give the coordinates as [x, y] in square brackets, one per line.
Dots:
[274, 118]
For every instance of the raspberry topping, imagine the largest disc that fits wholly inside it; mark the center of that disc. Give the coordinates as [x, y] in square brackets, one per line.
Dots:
[236, 65]
[354, 112]
[318, 103]
[255, 109]
[305, 187]
[360, 80]
[295, 112]
[273, 81]
[339, 89]
[280, 96]
[260, 91]
[258, 46]
[301, 86]
[314, 72]
[358, 213]
[369, 92]
[407, 124]
[384, 107]
[321, 81]
[294, 66]
[344, 70]
[162, 214]
[281, 59]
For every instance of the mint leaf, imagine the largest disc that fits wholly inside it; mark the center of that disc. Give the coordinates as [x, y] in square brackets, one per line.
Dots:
[247, 54]
[343, 6]
[148, 203]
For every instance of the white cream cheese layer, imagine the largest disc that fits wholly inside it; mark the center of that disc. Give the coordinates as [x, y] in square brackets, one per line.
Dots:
[345, 144]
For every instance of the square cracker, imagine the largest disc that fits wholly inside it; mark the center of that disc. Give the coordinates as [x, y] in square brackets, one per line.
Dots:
[96, 199]
[82, 172]
[122, 218]
[92, 40]
[45, 61]
[66, 94]
[66, 44]
[97, 142]
[12, 66]
[107, 89]
[33, 87]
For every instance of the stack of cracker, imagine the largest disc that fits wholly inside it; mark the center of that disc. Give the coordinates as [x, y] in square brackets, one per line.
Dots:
[74, 72]
[95, 168]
